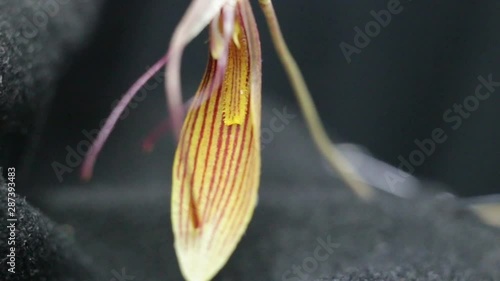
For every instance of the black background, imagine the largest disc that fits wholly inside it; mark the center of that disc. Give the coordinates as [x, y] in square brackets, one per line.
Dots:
[395, 91]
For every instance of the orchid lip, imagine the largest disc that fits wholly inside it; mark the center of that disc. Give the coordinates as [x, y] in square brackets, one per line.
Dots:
[217, 163]
[216, 169]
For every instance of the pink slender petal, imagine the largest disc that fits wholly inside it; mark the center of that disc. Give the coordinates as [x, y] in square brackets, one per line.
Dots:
[90, 158]
[174, 92]
[228, 14]
[198, 16]
[216, 37]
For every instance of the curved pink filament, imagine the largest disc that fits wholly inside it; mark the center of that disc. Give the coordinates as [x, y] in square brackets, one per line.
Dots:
[95, 149]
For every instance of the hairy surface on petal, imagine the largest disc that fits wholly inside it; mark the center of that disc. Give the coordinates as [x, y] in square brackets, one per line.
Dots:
[217, 164]
[254, 52]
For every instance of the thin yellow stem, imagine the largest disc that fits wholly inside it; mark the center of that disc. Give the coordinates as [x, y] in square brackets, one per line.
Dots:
[319, 135]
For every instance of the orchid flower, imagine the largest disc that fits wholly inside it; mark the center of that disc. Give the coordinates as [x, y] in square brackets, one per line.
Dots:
[217, 164]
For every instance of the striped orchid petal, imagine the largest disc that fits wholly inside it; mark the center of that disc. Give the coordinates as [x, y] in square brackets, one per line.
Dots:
[217, 164]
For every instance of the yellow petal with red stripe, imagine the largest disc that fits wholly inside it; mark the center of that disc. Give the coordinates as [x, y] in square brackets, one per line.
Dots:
[217, 164]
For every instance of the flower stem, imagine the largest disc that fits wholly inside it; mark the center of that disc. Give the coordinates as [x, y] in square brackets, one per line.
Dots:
[319, 135]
